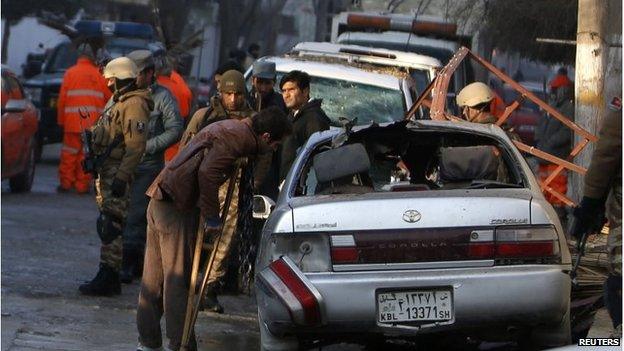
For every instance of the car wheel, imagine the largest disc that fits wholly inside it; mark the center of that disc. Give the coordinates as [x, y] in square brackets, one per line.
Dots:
[271, 342]
[23, 181]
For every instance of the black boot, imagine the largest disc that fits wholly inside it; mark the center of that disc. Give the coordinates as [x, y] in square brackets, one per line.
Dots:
[128, 265]
[210, 303]
[105, 283]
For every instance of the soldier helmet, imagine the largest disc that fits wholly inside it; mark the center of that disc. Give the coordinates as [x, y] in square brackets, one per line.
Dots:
[121, 68]
[474, 94]
[232, 81]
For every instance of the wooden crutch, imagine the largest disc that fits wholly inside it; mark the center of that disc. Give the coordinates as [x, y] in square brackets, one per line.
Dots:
[194, 300]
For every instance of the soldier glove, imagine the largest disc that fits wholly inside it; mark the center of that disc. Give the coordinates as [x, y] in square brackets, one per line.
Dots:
[118, 188]
[590, 217]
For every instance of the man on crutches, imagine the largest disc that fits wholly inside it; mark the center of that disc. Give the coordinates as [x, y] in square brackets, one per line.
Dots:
[185, 191]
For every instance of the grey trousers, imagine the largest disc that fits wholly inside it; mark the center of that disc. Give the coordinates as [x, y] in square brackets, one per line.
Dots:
[167, 269]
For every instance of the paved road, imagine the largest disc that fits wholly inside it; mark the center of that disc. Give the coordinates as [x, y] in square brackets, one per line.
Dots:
[49, 247]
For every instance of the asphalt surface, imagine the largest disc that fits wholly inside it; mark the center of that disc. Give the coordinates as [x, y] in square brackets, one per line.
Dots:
[49, 247]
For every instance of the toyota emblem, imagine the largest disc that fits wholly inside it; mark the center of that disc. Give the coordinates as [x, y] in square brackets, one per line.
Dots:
[411, 216]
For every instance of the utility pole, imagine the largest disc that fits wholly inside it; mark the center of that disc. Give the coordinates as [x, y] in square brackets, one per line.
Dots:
[591, 63]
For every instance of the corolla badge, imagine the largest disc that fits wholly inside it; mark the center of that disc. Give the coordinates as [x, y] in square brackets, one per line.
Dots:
[411, 216]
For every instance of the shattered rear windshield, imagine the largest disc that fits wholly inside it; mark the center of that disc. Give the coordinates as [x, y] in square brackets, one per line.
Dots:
[368, 103]
[406, 160]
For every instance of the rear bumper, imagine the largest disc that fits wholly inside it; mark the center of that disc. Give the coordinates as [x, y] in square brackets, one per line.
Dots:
[502, 296]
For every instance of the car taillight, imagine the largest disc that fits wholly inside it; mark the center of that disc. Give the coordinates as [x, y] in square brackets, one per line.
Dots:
[527, 242]
[481, 244]
[299, 296]
[510, 245]
[310, 251]
[343, 249]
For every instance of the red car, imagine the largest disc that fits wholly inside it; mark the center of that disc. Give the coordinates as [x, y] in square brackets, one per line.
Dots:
[19, 127]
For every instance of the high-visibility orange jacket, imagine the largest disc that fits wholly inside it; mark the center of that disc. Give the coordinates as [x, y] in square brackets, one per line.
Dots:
[84, 88]
[177, 92]
[178, 79]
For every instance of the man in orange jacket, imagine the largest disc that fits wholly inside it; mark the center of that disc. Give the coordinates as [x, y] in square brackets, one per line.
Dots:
[83, 88]
[179, 80]
[165, 78]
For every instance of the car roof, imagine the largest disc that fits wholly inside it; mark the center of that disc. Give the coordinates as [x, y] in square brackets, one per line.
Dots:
[426, 124]
[368, 54]
[337, 70]
[399, 37]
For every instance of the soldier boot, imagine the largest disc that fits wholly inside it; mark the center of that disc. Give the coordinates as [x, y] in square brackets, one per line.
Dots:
[210, 302]
[105, 283]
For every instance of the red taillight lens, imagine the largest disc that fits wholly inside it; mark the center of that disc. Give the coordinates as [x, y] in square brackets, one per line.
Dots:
[481, 250]
[528, 249]
[301, 292]
[342, 255]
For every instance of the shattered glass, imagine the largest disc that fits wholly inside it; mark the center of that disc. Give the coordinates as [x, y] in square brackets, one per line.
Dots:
[349, 99]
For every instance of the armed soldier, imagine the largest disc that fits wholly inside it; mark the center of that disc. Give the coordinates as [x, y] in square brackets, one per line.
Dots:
[229, 104]
[164, 129]
[178, 196]
[121, 136]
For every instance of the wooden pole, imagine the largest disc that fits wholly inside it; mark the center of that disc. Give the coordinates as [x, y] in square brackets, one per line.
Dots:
[591, 62]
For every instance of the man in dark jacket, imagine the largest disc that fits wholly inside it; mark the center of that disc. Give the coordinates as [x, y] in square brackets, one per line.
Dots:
[231, 103]
[261, 97]
[263, 92]
[305, 113]
[603, 188]
[555, 138]
[172, 226]
[164, 128]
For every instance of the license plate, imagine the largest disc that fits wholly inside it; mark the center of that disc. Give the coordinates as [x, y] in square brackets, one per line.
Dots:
[410, 306]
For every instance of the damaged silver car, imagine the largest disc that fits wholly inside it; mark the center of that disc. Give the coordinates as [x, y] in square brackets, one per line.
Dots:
[410, 230]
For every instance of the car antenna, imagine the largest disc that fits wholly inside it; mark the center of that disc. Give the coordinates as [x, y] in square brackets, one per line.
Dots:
[409, 36]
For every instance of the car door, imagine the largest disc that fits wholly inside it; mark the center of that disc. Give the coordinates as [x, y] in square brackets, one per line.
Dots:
[12, 125]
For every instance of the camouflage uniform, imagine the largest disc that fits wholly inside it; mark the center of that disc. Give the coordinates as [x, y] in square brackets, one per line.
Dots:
[128, 119]
[201, 118]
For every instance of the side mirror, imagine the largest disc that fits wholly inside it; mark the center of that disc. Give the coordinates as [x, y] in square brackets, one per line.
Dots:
[15, 106]
[262, 206]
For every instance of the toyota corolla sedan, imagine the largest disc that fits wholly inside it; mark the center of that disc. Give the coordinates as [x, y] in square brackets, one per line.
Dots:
[411, 230]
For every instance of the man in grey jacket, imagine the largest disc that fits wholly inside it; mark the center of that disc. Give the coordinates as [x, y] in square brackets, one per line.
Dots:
[164, 129]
